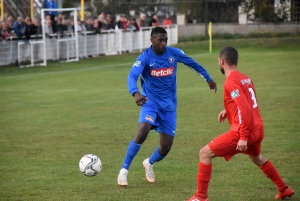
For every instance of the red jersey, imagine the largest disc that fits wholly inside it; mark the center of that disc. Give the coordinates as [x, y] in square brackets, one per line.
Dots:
[241, 105]
[167, 22]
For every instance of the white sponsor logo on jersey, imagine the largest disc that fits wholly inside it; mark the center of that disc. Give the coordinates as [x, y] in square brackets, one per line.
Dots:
[162, 72]
[246, 81]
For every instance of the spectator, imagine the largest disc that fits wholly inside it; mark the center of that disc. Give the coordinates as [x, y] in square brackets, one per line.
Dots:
[167, 22]
[154, 21]
[53, 14]
[27, 31]
[27, 18]
[133, 25]
[70, 25]
[89, 24]
[108, 14]
[48, 18]
[19, 27]
[112, 21]
[48, 28]
[100, 25]
[80, 26]
[102, 17]
[62, 28]
[60, 17]
[124, 23]
[138, 21]
[108, 23]
[10, 23]
[120, 22]
[142, 21]
[36, 28]
[96, 27]
[6, 33]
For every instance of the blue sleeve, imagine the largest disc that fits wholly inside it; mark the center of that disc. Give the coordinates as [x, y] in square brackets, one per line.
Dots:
[191, 63]
[134, 74]
[15, 27]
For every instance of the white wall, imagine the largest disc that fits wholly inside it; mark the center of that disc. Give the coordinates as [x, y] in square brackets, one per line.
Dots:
[199, 29]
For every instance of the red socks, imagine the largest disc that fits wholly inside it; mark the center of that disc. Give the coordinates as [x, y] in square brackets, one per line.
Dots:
[203, 178]
[204, 174]
[271, 172]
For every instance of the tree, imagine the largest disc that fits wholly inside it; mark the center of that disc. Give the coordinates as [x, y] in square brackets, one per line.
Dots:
[267, 10]
[95, 7]
[148, 7]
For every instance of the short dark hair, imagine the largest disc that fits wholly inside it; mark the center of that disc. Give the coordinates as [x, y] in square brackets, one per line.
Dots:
[158, 30]
[230, 55]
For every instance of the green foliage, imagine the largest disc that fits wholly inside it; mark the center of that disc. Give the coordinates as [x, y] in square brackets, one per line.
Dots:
[51, 116]
[92, 8]
[267, 10]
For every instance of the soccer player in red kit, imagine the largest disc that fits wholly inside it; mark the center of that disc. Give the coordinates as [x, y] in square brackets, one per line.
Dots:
[246, 132]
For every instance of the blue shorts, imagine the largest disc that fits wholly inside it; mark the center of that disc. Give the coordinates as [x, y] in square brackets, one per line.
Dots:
[162, 121]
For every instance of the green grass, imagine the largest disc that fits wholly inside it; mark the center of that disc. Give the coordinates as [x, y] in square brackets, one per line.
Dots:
[51, 116]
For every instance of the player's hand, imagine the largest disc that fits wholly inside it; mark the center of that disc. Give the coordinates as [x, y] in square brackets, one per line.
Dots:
[139, 99]
[212, 85]
[242, 145]
[222, 116]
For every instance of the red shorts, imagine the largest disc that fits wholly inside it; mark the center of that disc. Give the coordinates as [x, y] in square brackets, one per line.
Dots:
[225, 144]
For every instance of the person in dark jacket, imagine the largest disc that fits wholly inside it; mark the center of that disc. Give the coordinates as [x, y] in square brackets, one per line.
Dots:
[53, 14]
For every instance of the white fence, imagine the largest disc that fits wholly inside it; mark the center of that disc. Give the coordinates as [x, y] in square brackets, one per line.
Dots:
[107, 43]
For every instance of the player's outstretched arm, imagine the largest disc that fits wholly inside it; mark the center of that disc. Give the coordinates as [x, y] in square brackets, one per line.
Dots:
[222, 116]
[212, 85]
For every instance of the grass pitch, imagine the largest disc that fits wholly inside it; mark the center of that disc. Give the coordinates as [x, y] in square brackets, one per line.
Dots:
[51, 116]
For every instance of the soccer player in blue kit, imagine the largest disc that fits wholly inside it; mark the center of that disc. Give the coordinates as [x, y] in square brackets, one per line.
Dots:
[157, 68]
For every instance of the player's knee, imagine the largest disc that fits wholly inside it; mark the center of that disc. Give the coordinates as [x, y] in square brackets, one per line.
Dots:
[164, 149]
[141, 136]
[258, 160]
[202, 153]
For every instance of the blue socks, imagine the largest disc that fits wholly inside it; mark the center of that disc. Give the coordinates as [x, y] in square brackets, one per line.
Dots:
[155, 157]
[132, 150]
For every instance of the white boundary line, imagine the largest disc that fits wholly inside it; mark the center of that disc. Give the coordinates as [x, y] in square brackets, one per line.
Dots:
[81, 70]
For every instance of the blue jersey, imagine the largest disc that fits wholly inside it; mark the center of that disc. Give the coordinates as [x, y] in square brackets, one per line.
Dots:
[158, 75]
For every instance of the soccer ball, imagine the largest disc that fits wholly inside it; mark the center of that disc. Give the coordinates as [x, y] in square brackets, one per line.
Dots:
[90, 165]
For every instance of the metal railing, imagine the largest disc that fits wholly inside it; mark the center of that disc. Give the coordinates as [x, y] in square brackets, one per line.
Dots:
[89, 45]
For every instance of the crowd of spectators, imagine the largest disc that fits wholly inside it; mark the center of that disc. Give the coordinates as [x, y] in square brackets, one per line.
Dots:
[20, 28]
[56, 24]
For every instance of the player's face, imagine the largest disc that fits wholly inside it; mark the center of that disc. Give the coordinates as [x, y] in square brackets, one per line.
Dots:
[159, 42]
[221, 66]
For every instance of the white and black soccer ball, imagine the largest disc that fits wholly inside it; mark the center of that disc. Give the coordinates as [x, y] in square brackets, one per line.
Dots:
[90, 165]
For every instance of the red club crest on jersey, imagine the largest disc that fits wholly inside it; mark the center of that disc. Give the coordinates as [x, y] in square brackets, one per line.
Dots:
[162, 72]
